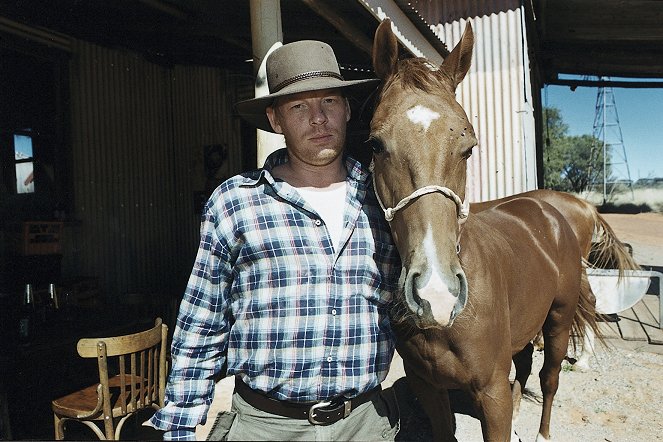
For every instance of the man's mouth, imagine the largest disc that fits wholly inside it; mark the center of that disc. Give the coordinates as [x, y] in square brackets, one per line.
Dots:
[321, 137]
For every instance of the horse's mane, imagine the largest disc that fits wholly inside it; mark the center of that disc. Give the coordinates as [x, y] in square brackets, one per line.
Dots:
[415, 73]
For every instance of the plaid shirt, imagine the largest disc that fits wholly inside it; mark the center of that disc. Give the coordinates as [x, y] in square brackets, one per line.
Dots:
[270, 297]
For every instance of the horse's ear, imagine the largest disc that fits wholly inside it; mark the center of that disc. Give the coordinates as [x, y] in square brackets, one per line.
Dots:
[385, 50]
[456, 65]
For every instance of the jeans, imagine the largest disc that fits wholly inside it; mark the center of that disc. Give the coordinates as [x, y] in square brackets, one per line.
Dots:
[371, 421]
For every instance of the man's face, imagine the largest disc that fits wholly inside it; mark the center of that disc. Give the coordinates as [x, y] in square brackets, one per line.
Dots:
[313, 123]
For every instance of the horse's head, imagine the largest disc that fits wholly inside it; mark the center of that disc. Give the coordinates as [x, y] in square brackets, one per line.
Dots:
[422, 139]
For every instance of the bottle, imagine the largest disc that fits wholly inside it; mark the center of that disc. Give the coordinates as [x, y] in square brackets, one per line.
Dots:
[53, 297]
[52, 304]
[27, 319]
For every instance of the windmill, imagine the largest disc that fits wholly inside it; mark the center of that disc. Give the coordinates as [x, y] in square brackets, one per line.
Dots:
[608, 165]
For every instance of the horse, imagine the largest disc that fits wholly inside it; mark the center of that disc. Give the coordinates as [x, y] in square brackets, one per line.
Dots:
[598, 242]
[600, 248]
[475, 289]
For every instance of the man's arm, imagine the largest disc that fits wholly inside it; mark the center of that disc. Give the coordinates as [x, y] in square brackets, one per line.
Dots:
[200, 338]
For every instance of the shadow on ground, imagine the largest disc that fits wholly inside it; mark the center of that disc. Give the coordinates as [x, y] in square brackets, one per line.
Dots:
[628, 208]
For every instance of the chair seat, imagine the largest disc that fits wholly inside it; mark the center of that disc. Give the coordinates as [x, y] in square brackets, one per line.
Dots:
[84, 401]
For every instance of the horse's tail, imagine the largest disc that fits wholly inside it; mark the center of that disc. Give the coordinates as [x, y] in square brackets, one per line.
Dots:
[585, 316]
[608, 252]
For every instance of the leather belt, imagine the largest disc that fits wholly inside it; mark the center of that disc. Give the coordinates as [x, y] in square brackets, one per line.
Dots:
[317, 413]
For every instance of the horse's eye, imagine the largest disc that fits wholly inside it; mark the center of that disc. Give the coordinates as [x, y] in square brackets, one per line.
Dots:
[375, 144]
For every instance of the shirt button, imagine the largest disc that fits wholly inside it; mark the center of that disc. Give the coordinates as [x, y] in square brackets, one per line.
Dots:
[334, 312]
[329, 359]
[318, 222]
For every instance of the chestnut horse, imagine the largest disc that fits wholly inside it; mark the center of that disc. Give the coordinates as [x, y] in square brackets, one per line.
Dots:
[600, 248]
[476, 289]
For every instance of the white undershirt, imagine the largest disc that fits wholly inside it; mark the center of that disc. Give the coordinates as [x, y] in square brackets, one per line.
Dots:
[329, 204]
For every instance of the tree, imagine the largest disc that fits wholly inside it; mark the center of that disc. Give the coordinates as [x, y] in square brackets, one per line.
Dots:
[568, 159]
[577, 161]
[555, 138]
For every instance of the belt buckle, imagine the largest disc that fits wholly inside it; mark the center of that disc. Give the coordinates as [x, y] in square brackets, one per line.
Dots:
[346, 404]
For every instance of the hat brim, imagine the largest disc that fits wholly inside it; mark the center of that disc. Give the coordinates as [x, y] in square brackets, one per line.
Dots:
[254, 110]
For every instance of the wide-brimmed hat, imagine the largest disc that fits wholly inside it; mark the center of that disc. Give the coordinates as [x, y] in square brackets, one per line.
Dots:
[302, 66]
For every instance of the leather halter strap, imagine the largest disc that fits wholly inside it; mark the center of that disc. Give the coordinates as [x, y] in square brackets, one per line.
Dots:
[463, 207]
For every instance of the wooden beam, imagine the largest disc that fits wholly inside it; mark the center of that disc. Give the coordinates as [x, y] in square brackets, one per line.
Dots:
[353, 34]
[607, 83]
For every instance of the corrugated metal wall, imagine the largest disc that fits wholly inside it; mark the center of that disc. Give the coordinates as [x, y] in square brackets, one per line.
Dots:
[496, 93]
[138, 131]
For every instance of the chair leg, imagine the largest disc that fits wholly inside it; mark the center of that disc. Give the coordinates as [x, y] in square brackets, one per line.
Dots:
[95, 428]
[120, 425]
[58, 424]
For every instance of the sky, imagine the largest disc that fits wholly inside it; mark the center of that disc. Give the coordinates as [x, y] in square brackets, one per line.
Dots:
[22, 146]
[640, 117]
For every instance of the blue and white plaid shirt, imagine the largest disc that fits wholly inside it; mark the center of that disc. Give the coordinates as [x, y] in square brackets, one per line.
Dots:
[269, 296]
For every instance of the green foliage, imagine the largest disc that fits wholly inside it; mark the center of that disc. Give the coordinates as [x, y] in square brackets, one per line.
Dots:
[567, 159]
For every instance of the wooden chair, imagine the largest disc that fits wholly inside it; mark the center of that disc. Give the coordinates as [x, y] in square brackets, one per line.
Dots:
[140, 384]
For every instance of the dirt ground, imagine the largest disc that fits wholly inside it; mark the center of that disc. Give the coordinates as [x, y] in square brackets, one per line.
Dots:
[617, 399]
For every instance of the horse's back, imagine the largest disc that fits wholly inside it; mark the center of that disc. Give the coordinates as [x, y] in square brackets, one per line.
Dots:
[580, 214]
[530, 218]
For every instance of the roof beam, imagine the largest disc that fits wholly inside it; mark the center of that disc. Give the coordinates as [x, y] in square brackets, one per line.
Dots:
[406, 32]
[607, 83]
[353, 34]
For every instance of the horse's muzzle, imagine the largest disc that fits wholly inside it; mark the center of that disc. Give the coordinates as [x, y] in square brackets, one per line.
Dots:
[435, 301]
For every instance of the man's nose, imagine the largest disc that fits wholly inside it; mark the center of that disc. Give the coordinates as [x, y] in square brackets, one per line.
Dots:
[318, 115]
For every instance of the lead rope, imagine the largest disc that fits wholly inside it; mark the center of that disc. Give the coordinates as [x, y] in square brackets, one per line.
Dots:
[463, 207]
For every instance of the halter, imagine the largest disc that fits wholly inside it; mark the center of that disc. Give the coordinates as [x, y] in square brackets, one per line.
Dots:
[463, 207]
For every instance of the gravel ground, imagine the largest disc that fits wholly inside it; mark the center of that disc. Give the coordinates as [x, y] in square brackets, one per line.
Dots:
[617, 399]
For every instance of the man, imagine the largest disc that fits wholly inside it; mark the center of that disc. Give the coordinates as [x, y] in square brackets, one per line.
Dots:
[293, 279]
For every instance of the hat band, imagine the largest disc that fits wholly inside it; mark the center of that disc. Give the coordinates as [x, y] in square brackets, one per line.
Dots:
[306, 76]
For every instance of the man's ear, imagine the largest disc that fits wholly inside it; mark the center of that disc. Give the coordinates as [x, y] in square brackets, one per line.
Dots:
[348, 110]
[273, 119]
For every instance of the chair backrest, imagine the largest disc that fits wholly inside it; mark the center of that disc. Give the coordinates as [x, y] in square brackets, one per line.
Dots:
[141, 367]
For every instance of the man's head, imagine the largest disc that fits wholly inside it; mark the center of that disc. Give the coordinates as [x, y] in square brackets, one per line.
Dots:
[303, 66]
[313, 124]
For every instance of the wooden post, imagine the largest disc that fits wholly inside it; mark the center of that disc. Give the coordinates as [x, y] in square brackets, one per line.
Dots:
[266, 35]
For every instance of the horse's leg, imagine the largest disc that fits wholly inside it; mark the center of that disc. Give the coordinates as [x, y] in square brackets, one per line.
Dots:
[523, 363]
[436, 405]
[493, 405]
[556, 337]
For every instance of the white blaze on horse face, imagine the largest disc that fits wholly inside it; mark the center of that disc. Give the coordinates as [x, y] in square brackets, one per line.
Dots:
[436, 291]
[422, 115]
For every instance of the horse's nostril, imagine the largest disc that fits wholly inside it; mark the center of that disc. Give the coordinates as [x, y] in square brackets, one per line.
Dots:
[412, 294]
[462, 295]
[462, 283]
